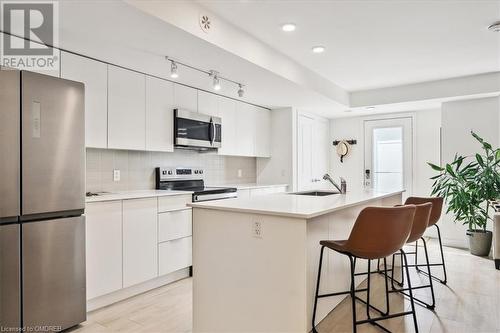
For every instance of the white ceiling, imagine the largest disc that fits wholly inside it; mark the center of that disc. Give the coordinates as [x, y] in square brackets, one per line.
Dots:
[118, 33]
[373, 44]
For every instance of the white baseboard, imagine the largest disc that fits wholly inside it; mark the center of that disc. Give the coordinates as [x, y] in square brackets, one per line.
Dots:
[119, 295]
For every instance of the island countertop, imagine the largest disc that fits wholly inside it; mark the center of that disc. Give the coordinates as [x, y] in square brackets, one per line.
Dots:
[297, 206]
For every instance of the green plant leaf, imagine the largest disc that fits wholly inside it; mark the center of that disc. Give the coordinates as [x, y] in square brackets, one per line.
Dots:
[435, 167]
[480, 160]
[449, 169]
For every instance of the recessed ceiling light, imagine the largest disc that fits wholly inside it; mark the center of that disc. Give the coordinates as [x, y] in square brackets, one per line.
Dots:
[370, 108]
[495, 27]
[318, 49]
[288, 27]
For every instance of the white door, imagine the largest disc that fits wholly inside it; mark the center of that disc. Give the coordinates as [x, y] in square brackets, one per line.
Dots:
[305, 142]
[321, 149]
[388, 154]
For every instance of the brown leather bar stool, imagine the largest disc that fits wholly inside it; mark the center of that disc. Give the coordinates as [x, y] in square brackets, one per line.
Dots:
[377, 233]
[437, 207]
[420, 223]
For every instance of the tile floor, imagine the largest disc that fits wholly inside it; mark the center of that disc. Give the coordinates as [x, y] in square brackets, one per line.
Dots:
[469, 303]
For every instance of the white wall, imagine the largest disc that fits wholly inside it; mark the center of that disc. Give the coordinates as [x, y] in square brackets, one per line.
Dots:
[426, 146]
[458, 119]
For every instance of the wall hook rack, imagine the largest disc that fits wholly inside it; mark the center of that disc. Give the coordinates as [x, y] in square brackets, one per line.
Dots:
[351, 142]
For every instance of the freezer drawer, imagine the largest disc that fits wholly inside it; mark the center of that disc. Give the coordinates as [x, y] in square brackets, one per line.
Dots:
[10, 302]
[54, 272]
[53, 145]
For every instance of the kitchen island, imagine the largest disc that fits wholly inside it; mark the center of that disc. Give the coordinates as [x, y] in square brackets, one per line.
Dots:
[255, 260]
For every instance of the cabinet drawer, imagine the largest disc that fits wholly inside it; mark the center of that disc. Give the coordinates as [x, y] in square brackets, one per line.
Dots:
[173, 202]
[174, 225]
[175, 255]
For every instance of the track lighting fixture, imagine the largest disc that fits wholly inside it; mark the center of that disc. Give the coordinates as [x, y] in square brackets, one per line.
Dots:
[213, 74]
[173, 70]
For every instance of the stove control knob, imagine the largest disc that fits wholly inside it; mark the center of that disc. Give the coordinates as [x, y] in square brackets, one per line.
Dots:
[196, 171]
[169, 172]
[201, 171]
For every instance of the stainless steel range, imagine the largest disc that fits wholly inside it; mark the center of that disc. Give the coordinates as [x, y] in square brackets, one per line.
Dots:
[191, 179]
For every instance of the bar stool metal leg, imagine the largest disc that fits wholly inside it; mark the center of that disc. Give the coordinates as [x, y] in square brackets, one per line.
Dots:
[430, 285]
[444, 281]
[431, 306]
[403, 254]
[353, 295]
[317, 289]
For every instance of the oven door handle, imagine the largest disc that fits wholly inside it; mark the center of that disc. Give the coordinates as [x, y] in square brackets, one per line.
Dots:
[212, 132]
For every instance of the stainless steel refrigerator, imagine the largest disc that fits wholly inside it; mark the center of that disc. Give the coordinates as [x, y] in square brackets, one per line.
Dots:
[42, 193]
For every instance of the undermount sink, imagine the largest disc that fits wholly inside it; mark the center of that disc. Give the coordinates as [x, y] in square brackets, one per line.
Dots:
[317, 193]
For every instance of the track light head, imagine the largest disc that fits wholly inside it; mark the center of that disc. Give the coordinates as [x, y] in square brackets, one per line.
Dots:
[216, 81]
[241, 92]
[173, 70]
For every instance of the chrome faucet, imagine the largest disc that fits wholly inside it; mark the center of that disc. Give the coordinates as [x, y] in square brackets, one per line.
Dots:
[343, 184]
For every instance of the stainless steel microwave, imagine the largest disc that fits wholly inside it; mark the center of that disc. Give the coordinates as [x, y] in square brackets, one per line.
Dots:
[194, 130]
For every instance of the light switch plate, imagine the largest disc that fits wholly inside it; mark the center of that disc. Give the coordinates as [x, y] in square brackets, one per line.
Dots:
[116, 175]
[240, 173]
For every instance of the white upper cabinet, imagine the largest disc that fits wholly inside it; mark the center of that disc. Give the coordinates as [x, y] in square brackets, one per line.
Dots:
[94, 75]
[263, 133]
[140, 237]
[227, 112]
[159, 115]
[246, 129]
[126, 109]
[185, 98]
[208, 103]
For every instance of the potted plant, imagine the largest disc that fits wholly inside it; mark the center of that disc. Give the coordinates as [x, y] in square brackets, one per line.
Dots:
[467, 184]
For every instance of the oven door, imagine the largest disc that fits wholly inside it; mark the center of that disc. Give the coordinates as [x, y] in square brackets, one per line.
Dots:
[197, 130]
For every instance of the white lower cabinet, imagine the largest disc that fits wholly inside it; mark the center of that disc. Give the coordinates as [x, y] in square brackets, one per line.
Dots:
[133, 241]
[139, 240]
[174, 225]
[175, 254]
[103, 247]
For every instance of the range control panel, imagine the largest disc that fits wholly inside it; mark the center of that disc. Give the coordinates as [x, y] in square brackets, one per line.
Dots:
[180, 173]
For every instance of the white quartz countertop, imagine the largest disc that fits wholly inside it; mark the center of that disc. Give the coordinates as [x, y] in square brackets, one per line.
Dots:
[248, 186]
[124, 195]
[298, 206]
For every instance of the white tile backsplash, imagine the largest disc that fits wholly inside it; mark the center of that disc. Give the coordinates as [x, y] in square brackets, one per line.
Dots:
[137, 168]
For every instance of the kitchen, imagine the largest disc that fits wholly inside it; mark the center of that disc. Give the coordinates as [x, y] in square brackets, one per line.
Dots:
[214, 164]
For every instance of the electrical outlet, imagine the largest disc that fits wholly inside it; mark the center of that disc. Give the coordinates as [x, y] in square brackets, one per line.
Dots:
[257, 229]
[116, 175]
[240, 173]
